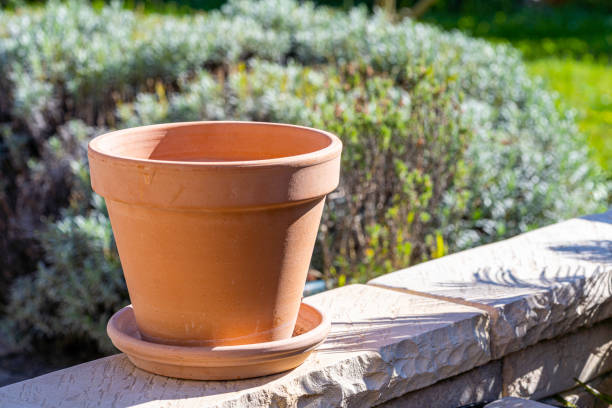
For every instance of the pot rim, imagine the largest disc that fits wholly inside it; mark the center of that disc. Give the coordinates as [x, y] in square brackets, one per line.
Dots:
[327, 153]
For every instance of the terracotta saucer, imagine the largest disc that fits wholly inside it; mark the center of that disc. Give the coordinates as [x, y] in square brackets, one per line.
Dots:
[221, 362]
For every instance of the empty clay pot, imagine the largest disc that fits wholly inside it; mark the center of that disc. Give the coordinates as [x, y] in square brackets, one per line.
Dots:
[215, 223]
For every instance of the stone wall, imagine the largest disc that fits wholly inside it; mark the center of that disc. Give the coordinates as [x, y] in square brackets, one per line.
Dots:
[518, 318]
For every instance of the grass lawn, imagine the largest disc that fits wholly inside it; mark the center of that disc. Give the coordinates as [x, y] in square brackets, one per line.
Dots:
[587, 87]
[570, 47]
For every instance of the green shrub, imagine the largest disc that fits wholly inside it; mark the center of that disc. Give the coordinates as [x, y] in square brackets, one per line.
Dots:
[78, 285]
[37, 182]
[74, 291]
[400, 157]
[448, 142]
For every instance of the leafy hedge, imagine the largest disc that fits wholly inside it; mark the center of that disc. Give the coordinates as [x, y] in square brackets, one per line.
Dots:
[448, 142]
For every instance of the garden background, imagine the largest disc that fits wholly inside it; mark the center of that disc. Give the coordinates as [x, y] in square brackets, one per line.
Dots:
[451, 141]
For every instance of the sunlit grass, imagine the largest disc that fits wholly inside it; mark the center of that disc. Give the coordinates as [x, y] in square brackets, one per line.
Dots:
[587, 87]
[570, 46]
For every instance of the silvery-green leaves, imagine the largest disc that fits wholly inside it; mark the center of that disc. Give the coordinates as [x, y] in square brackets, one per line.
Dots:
[448, 143]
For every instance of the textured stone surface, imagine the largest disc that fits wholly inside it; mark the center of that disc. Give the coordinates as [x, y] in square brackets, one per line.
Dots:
[580, 397]
[550, 367]
[383, 344]
[536, 286]
[513, 402]
[480, 384]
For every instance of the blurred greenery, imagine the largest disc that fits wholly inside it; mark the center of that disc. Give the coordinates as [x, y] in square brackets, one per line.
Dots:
[448, 141]
[586, 86]
[570, 46]
[538, 30]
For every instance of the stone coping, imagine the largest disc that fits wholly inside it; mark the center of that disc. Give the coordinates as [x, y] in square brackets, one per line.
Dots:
[580, 397]
[480, 384]
[382, 345]
[549, 367]
[398, 335]
[535, 286]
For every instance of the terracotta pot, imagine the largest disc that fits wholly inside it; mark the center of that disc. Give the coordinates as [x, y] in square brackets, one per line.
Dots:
[215, 223]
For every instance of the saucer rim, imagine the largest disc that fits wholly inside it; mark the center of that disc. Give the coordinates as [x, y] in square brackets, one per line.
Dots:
[219, 356]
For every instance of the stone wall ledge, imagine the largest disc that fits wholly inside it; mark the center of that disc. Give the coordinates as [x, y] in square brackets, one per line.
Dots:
[455, 323]
[580, 397]
[542, 370]
[535, 286]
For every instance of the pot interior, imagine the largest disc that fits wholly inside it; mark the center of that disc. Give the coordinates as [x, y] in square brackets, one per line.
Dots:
[213, 142]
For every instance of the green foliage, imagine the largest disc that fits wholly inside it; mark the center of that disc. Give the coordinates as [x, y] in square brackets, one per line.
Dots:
[587, 87]
[78, 285]
[569, 45]
[448, 142]
[572, 30]
[74, 291]
[37, 181]
[400, 158]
